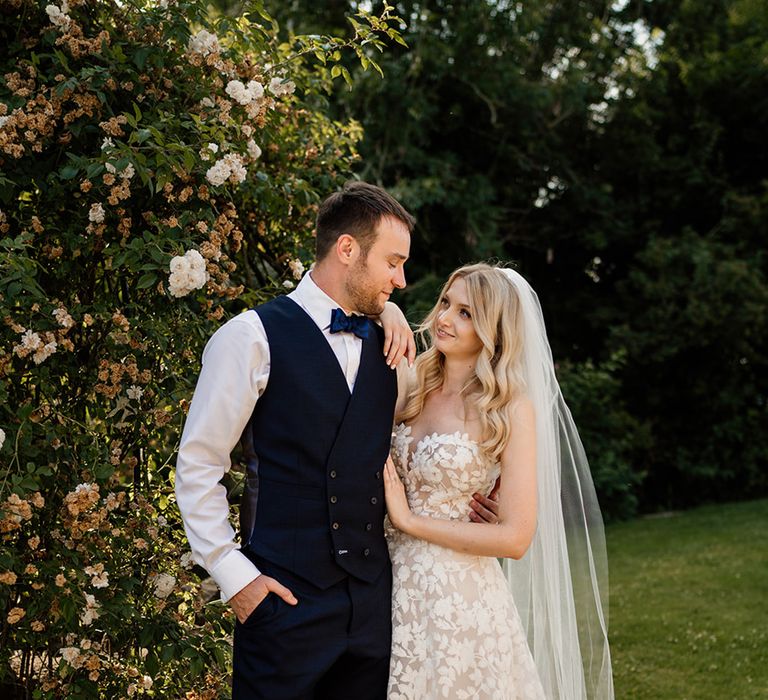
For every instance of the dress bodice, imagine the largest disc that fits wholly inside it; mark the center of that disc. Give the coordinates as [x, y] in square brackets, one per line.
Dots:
[441, 472]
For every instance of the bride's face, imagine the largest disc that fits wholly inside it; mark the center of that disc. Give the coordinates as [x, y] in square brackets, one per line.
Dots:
[454, 332]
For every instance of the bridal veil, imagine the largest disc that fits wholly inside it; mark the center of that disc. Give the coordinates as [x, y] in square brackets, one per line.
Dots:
[560, 586]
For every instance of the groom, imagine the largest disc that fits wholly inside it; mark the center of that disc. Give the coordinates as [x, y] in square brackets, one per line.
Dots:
[308, 392]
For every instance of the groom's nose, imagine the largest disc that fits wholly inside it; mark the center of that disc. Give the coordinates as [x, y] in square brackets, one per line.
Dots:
[398, 279]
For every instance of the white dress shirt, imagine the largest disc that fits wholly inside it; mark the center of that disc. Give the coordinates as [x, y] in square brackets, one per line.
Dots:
[234, 374]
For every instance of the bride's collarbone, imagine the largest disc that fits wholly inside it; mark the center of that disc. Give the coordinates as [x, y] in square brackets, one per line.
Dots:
[442, 418]
[419, 431]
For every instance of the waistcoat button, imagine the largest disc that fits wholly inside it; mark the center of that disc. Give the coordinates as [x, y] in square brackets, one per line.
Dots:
[335, 526]
[366, 552]
[332, 474]
[374, 500]
[368, 527]
[334, 499]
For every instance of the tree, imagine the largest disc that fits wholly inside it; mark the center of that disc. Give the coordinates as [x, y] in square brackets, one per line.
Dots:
[616, 152]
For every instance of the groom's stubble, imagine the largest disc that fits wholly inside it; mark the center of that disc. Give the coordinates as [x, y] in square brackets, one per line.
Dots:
[362, 290]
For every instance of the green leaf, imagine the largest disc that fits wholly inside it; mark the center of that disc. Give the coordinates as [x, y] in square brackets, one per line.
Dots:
[140, 56]
[147, 280]
[103, 471]
[68, 172]
[189, 159]
[93, 170]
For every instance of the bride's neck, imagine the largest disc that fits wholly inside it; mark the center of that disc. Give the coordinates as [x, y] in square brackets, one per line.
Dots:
[457, 374]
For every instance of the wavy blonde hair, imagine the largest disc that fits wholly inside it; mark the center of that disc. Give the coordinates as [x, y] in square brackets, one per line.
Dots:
[498, 379]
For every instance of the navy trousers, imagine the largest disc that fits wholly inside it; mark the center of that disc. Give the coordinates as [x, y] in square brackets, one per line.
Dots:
[333, 645]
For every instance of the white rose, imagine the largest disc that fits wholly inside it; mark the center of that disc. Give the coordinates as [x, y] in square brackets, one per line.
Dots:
[297, 268]
[236, 90]
[255, 90]
[279, 87]
[195, 260]
[31, 340]
[178, 263]
[163, 585]
[218, 173]
[197, 279]
[187, 273]
[57, 17]
[96, 214]
[69, 654]
[253, 150]
[204, 43]
[2, 438]
[42, 354]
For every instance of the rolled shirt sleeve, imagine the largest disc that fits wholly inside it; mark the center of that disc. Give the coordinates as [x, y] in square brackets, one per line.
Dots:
[234, 374]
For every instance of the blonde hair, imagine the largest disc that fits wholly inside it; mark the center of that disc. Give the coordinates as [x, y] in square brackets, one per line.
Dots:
[498, 379]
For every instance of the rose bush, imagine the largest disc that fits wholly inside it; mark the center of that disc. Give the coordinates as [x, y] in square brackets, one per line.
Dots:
[160, 169]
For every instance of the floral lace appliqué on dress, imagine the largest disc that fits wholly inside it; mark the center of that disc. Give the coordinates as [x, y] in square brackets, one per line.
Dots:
[455, 629]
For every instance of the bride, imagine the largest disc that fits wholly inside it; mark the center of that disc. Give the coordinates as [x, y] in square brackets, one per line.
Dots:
[484, 402]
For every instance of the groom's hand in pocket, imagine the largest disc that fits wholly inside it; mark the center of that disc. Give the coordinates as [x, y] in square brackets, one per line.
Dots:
[485, 509]
[249, 598]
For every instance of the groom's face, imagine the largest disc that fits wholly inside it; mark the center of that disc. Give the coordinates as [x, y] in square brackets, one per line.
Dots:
[373, 277]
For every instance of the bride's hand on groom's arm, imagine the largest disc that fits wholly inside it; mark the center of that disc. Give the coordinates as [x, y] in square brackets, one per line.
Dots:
[398, 336]
[249, 598]
[394, 493]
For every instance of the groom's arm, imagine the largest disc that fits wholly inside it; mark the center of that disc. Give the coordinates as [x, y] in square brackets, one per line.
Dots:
[399, 342]
[233, 376]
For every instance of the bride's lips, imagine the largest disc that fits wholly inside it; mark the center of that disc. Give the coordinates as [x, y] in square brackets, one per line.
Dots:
[443, 334]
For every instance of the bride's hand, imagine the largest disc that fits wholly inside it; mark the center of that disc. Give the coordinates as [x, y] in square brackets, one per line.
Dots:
[394, 493]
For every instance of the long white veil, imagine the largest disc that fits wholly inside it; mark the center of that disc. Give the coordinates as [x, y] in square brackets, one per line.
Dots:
[560, 586]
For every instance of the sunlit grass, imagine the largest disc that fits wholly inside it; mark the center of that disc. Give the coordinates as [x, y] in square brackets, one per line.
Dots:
[689, 604]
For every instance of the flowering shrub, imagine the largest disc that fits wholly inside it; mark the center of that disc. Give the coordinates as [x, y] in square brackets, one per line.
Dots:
[159, 169]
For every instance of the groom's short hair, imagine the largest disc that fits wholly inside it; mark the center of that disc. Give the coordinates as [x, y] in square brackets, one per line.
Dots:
[356, 210]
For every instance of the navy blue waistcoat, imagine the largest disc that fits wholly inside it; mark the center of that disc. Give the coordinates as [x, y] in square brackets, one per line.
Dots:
[314, 498]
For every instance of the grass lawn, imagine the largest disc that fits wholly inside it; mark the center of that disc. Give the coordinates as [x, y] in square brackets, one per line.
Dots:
[689, 604]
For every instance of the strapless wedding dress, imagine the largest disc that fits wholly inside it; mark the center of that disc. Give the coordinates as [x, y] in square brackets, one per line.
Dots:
[455, 630]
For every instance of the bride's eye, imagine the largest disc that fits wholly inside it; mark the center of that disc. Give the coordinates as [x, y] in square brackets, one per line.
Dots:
[466, 314]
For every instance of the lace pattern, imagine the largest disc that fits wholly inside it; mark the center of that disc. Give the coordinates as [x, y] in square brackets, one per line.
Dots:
[456, 631]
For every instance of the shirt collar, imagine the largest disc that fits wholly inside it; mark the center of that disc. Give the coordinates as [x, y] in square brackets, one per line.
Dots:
[314, 301]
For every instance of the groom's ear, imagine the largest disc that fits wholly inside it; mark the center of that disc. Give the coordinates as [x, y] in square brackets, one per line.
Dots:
[347, 249]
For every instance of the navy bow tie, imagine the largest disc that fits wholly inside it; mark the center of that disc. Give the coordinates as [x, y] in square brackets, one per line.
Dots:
[341, 323]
